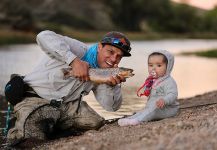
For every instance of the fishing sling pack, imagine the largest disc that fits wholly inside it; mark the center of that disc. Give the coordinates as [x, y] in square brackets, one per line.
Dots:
[16, 90]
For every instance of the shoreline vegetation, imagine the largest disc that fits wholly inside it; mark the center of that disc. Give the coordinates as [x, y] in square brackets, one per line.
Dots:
[23, 37]
[209, 53]
[8, 37]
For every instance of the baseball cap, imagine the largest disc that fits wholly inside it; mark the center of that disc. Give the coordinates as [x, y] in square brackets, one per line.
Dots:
[118, 40]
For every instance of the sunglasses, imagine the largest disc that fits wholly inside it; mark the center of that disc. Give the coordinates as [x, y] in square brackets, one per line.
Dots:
[117, 42]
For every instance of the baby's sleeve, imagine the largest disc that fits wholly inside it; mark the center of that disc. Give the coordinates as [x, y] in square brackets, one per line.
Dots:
[171, 92]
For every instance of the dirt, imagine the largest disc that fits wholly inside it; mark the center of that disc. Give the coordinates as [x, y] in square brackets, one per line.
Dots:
[195, 127]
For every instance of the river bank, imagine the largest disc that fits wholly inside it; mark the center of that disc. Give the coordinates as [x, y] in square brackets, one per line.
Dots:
[195, 127]
[8, 37]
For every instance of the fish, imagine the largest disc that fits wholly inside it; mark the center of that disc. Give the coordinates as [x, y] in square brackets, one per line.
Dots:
[102, 75]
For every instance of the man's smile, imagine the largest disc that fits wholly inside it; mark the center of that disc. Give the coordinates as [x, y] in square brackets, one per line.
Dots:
[109, 63]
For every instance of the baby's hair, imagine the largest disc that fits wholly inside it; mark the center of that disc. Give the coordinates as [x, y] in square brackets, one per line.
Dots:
[156, 53]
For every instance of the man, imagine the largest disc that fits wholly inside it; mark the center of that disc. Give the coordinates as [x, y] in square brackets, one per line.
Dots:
[58, 104]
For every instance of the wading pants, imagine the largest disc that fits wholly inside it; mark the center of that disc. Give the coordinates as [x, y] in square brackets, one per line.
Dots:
[36, 118]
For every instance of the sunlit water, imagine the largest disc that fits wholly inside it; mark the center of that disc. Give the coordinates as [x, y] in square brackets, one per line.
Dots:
[194, 75]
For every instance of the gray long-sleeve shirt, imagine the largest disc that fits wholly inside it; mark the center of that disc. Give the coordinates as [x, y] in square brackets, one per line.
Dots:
[47, 78]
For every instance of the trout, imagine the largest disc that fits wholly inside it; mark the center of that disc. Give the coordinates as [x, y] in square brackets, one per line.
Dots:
[102, 75]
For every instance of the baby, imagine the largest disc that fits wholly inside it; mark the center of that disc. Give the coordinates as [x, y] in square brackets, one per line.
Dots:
[160, 88]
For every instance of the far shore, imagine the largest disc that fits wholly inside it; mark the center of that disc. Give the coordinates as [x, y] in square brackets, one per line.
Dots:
[8, 36]
[209, 53]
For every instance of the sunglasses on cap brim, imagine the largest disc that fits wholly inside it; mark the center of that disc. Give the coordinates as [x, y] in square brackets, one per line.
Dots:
[117, 42]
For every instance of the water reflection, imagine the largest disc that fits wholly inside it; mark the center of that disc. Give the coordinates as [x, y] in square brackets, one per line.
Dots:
[194, 75]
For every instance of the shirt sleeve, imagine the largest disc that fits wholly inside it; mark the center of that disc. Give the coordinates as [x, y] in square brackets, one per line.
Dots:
[109, 97]
[60, 47]
[171, 93]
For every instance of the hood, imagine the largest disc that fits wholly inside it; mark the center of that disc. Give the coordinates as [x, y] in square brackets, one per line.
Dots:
[170, 59]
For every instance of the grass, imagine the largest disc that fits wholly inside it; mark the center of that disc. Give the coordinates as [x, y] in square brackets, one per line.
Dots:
[210, 53]
[8, 37]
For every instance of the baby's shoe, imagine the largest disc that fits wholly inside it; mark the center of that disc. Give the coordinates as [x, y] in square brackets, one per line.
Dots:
[128, 122]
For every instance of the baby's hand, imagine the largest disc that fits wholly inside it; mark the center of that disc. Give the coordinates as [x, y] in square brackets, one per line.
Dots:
[160, 103]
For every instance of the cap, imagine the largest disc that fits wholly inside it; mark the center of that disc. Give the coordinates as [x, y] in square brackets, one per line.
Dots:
[118, 40]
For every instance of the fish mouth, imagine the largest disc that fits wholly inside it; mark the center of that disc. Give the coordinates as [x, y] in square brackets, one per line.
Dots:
[126, 69]
[130, 74]
[126, 72]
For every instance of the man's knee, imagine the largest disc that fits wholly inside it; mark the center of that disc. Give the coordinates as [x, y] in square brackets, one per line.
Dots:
[88, 118]
[84, 118]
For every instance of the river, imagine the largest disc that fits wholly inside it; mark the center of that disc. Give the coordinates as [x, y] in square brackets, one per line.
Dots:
[194, 75]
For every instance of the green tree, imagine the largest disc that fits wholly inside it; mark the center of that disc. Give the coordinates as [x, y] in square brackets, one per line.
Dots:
[160, 15]
[210, 20]
[125, 13]
[157, 13]
[183, 19]
[18, 16]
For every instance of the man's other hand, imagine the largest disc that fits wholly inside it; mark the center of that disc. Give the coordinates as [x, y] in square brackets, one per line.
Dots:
[114, 80]
[80, 69]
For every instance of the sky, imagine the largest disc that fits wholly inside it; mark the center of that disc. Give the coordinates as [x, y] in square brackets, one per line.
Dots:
[204, 4]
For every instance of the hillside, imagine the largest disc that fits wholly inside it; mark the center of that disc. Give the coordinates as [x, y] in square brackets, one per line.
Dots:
[83, 13]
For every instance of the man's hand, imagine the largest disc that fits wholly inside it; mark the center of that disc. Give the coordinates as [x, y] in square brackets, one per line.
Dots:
[114, 80]
[160, 103]
[80, 69]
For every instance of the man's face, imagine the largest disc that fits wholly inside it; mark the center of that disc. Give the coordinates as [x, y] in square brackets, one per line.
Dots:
[108, 56]
[156, 63]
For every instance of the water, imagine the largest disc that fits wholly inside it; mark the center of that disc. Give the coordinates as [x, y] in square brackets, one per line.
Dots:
[194, 75]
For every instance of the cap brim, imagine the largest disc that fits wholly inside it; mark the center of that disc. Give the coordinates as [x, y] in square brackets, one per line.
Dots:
[126, 53]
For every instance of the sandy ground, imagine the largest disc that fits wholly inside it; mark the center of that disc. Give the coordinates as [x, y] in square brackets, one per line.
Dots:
[195, 127]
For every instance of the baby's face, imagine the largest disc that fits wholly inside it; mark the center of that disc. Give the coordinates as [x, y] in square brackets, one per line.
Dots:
[157, 65]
